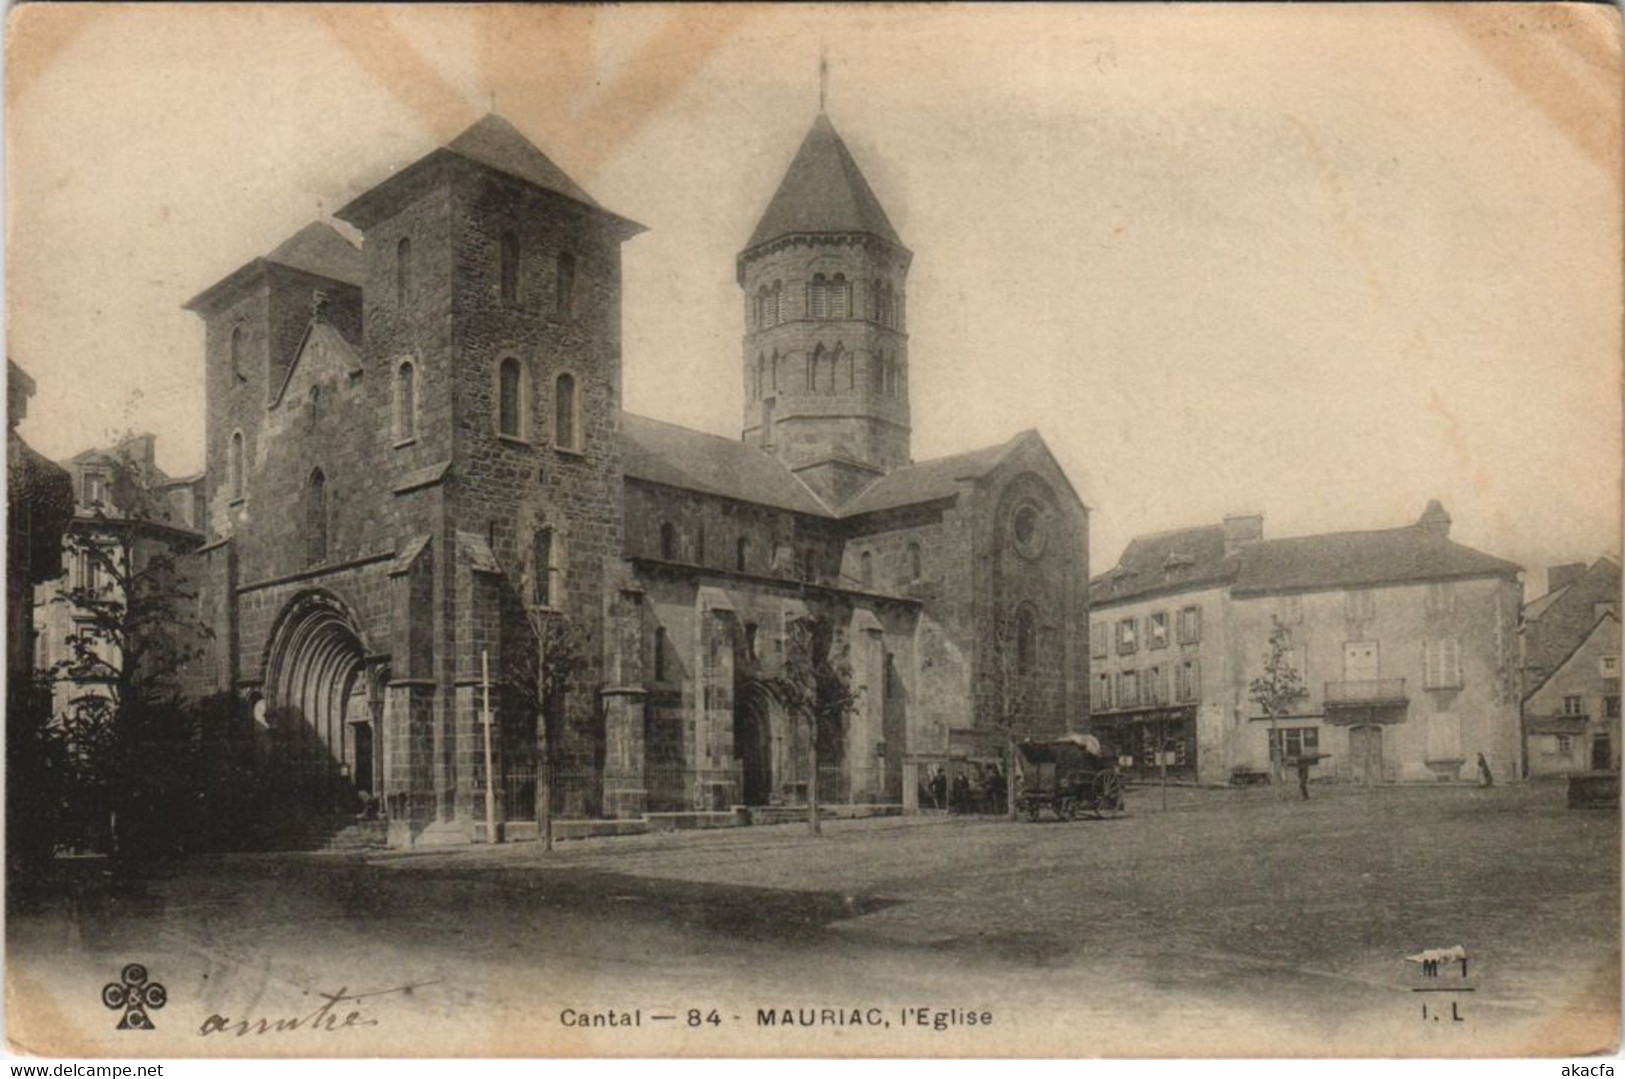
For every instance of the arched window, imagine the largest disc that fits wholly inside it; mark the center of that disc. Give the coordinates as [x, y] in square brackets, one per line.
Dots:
[316, 517]
[840, 297]
[544, 569]
[403, 269]
[668, 541]
[660, 649]
[777, 305]
[775, 371]
[866, 568]
[565, 428]
[914, 561]
[818, 297]
[237, 464]
[566, 285]
[237, 352]
[510, 398]
[742, 553]
[406, 402]
[874, 300]
[1026, 638]
[841, 370]
[510, 268]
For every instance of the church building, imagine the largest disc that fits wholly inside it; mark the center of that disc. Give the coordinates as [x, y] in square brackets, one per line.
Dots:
[424, 495]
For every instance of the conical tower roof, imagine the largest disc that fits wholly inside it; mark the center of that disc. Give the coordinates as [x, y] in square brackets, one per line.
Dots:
[823, 191]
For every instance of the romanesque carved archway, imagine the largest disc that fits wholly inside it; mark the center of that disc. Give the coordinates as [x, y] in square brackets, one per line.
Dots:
[318, 703]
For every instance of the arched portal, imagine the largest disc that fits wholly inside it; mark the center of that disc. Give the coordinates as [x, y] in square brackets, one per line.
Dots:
[753, 744]
[319, 706]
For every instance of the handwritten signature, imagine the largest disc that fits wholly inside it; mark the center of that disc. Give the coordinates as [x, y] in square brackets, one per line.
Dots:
[325, 1018]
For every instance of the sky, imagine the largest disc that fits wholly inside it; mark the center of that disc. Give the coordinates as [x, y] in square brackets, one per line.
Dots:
[1323, 263]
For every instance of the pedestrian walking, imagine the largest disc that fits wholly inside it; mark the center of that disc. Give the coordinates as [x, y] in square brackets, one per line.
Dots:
[1485, 777]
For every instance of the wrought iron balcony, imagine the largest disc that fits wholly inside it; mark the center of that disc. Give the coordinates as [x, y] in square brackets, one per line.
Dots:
[1366, 691]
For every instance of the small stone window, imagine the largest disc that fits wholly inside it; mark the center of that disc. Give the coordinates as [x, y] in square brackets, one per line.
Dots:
[566, 295]
[511, 398]
[236, 465]
[316, 517]
[406, 402]
[403, 270]
[566, 417]
[509, 268]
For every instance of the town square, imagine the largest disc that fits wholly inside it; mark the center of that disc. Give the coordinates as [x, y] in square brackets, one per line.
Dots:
[991, 534]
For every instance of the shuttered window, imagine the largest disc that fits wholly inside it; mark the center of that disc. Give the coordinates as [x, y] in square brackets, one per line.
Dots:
[1441, 664]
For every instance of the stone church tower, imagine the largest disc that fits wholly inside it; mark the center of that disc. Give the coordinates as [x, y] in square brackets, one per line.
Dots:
[825, 350]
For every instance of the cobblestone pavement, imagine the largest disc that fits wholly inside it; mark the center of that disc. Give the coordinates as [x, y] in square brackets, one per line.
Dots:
[1229, 923]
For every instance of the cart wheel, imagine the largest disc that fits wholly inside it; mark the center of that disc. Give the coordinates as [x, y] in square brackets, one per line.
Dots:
[1067, 809]
[1108, 793]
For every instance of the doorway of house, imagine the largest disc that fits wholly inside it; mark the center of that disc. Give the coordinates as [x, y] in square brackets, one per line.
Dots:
[1365, 754]
[1360, 662]
[1602, 753]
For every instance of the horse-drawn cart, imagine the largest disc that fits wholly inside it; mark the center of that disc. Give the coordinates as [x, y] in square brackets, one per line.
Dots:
[1067, 776]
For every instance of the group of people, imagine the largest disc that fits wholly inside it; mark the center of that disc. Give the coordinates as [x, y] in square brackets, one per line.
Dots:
[983, 792]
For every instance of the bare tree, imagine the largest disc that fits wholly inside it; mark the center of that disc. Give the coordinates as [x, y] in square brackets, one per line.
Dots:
[542, 681]
[815, 685]
[1010, 686]
[1275, 692]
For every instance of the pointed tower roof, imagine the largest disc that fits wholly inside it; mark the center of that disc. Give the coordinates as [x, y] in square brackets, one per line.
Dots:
[490, 142]
[318, 249]
[823, 191]
[495, 143]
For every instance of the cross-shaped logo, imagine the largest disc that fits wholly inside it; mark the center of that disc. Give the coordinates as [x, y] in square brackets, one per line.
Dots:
[136, 996]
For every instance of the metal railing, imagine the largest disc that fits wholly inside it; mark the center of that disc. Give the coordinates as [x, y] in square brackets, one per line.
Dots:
[1366, 691]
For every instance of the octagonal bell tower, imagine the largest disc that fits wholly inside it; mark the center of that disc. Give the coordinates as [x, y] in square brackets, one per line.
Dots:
[826, 349]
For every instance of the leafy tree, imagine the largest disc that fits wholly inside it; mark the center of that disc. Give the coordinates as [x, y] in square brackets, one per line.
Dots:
[1276, 691]
[815, 686]
[129, 745]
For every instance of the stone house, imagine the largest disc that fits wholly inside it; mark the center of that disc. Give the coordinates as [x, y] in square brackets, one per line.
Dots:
[1404, 639]
[417, 463]
[163, 519]
[1570, 644]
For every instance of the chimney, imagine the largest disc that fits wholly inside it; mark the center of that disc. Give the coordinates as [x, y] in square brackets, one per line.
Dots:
[1566, 574]
[1434, 521]
[1240, 529]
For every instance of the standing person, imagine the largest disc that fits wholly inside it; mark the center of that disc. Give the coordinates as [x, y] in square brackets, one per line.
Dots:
[1303, 775]
[939, 788]
[997, 787]
[1485, 778]
[961, 797]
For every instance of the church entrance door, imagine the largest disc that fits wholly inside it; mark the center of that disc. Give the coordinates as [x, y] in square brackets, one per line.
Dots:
[753, 745]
